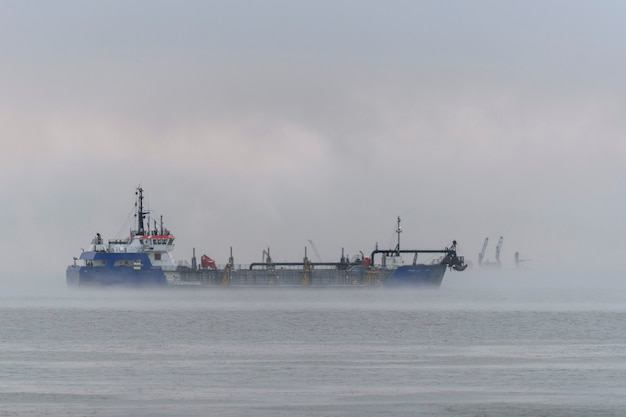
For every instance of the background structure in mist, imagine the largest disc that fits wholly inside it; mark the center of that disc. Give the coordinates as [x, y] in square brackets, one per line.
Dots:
[266, 124]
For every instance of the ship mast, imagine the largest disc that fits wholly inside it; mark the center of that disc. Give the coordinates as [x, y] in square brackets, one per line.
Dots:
[398, 231]
[140, 213]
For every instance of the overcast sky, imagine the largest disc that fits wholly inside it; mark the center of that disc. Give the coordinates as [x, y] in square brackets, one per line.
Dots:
[255, 124]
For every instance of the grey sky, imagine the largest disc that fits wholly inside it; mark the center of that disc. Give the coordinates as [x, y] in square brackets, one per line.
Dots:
[254, 124]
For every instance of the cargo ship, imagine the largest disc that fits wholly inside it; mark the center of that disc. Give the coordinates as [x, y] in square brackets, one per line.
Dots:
[145, 258]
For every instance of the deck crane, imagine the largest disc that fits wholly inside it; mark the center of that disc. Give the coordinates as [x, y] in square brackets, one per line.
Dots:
[481, 255]
[317, 255]
[498, 248]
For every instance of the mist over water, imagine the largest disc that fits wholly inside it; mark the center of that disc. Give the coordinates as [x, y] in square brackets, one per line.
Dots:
[474, 288]
[516, 343]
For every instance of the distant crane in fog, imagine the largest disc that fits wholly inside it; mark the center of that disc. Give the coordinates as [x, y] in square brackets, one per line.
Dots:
[519, 260]
[498, 248]
[481, 255]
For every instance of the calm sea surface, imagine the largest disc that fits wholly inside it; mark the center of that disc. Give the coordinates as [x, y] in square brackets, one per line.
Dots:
[495, 346]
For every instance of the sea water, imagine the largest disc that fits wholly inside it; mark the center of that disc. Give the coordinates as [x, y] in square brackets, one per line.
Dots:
[478, 346]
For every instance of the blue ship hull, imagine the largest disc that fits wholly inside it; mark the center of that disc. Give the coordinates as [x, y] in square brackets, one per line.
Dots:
[119, 269]
[417, 275]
